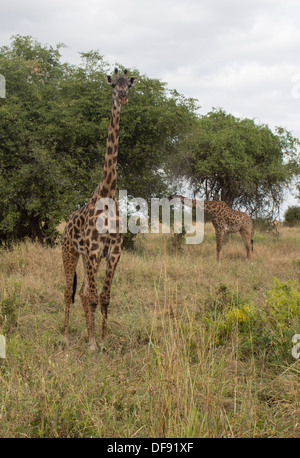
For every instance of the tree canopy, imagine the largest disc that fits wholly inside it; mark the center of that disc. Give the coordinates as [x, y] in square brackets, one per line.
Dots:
[238, 161]
[53, 130]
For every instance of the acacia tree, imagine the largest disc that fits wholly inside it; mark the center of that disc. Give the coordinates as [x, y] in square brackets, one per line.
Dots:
[53, 130]
[31, 180]
[238, 161]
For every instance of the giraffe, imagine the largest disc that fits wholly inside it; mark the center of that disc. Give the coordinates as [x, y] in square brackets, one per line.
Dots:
[225, 220]
[81, 236]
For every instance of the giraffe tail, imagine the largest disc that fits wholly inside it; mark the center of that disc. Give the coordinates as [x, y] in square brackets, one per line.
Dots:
[253, 228]
[74, 287]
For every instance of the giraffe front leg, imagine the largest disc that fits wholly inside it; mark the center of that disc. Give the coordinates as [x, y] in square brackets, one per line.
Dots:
[84, 295]
[219, 239]
[105, 294]
[91, 315]
[90, 300]
[89, 307]
[249, 249]
[85, 304]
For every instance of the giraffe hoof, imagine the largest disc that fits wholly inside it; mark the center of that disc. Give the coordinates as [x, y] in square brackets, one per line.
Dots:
[92, 347]
[102, 348]
[65, 342]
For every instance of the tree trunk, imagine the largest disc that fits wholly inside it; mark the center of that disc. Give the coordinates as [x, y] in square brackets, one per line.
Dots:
[227, 196]
[35, 229]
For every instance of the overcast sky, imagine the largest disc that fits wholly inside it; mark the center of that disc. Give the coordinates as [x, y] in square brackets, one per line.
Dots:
[242, 56]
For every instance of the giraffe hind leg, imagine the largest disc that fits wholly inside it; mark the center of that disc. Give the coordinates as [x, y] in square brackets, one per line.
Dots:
[70, 259]
[219, 239]
[248, 242]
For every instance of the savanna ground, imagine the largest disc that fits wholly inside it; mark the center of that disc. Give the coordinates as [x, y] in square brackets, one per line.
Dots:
[194, 349]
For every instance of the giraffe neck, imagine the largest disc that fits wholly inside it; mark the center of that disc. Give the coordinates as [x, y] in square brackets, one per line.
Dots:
[213, 207]
[108, 184]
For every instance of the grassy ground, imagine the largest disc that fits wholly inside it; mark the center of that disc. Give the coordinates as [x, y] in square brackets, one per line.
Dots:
[194, 349]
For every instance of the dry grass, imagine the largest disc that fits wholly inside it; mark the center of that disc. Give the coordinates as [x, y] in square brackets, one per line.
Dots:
[165, 373]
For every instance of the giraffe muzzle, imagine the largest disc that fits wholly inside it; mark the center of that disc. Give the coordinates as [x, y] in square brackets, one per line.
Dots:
[123, 100]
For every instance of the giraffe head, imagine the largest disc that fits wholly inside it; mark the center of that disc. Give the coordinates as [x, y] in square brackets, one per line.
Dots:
[121, 86]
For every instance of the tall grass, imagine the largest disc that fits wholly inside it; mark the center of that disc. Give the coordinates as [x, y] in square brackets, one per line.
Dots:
[194, 349]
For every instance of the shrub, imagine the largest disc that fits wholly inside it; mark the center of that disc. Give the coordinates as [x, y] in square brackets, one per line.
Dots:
[233, 314]
[266, 330]
[266, 224]
[292, 216]
[8, 319]
[284, 303]
[128, 241]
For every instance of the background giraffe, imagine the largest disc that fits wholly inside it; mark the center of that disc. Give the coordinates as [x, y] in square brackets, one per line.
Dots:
[81, 235]
[225, 220]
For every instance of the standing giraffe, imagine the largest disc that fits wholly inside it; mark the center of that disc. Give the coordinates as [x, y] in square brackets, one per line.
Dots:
[81, 235]
[225, 219]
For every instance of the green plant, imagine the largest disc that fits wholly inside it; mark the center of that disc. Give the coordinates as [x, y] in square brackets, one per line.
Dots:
[232, 314]
[292, 216]
[284, 303]
[238, 161]
[266, 330]
[8, 318]
[128, 241]
[53, 127]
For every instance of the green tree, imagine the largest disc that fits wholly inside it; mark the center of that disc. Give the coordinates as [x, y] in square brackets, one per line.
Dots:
[31, 180]
[53, 130]
[238, 161]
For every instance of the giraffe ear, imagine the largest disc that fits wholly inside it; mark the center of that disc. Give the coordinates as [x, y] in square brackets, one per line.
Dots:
[133, 80]
[108, 79]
